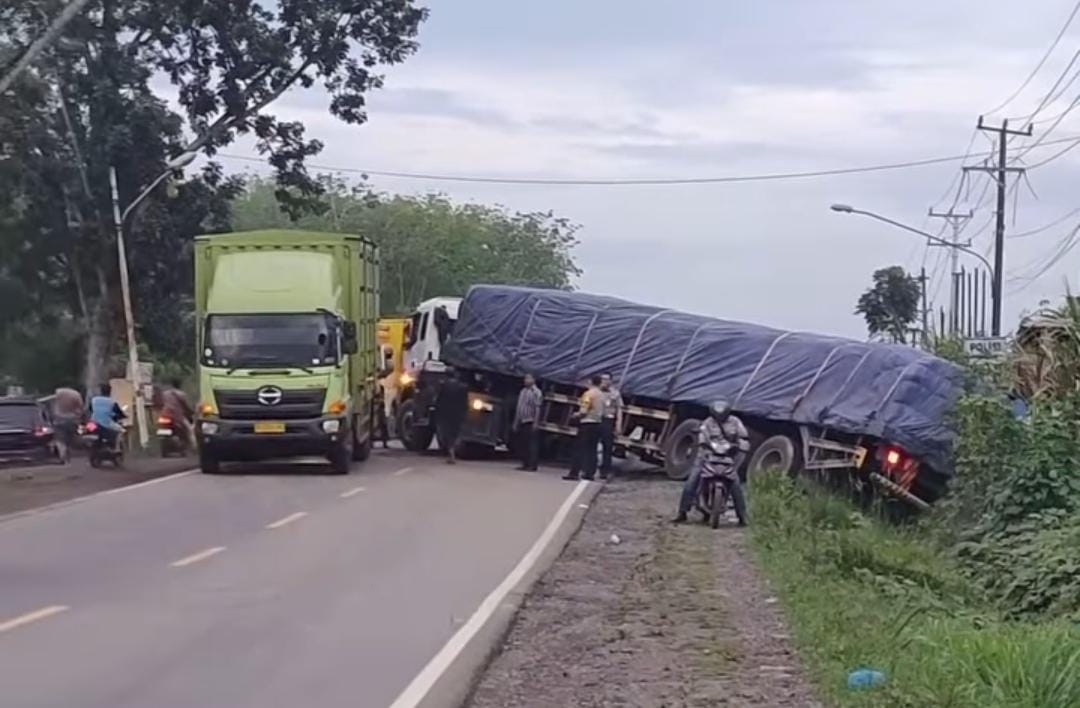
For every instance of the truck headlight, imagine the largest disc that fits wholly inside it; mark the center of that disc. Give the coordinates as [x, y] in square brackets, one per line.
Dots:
[209, 428]
[331, 426]
[479, 404]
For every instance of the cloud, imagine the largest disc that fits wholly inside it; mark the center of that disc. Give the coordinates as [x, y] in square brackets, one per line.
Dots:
[441, 104]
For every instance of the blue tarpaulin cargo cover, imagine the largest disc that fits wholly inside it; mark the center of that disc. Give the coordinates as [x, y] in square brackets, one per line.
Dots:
[894, 393]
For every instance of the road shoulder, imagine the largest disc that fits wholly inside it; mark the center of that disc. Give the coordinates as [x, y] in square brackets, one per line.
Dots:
[660, 615]
[28, 489]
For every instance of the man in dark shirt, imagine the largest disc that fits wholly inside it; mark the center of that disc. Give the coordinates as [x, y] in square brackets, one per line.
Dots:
[526, 418]
[451, 406]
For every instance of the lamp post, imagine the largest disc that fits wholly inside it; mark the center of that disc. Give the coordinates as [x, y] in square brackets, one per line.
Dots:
[119, 218]
[846, 209]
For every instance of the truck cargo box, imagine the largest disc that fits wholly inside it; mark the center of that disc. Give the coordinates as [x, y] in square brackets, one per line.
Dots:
[890, 392]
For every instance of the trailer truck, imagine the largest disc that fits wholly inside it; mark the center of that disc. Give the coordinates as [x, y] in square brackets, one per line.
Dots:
[874, 413]
[287, 345]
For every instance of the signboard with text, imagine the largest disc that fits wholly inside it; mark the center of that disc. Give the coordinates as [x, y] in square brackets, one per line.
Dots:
[987, 347]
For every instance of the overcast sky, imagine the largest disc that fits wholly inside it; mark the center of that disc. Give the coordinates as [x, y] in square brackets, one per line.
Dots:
[689, 88]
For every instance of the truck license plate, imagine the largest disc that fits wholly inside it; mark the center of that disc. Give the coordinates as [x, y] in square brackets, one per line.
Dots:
[269, 427]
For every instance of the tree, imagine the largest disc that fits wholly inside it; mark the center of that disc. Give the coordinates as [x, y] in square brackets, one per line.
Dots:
[891, 305]
[87, 104]
[429, 245]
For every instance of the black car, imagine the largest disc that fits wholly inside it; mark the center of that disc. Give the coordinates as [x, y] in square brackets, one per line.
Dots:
[25, 431]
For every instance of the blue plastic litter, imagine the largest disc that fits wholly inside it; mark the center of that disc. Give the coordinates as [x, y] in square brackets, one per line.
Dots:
[865, 679]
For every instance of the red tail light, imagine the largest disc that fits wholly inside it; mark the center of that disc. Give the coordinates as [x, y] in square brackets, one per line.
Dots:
[42, 431]
[164, 420]
[893, 457]
[91, 427]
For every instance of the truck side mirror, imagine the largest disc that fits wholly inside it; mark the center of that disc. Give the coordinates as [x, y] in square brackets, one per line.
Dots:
[348, 338]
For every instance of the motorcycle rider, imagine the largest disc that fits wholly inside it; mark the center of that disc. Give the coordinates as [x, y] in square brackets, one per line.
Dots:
[726, 431]
[175, 405]
[106, 413]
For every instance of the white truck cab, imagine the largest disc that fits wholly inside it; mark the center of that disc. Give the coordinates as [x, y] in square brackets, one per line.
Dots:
[430, 327]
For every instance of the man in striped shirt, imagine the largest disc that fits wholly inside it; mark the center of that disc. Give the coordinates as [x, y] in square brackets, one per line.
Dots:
[526, 419]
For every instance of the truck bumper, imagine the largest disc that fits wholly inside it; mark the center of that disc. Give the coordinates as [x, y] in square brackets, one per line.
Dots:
[238, 439]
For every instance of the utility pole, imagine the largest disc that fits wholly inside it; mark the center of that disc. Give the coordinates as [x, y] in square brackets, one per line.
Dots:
[956, 220]
[1001, 170]
[129, 317]
[925, 311]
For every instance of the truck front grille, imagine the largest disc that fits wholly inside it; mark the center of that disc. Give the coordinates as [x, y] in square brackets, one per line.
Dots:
[294, 404]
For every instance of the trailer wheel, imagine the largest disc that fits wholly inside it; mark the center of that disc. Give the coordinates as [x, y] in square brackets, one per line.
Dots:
[680, 449]
[412, 437]
[777, 453]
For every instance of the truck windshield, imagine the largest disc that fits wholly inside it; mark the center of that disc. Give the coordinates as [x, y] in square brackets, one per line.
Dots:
[267, 340]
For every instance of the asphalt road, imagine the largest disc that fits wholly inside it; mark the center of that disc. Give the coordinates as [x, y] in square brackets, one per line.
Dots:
[268, 589]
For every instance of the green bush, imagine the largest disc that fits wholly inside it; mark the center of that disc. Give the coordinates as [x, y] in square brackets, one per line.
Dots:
[862, 592]
[1011, 519]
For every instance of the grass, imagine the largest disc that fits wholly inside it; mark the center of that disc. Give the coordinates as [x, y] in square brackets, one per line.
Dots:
[862, 593]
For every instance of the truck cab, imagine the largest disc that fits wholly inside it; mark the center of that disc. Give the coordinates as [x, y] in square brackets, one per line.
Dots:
[429, 327]
[287, 346]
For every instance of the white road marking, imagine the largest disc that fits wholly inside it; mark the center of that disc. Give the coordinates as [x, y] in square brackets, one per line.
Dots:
[147, 483]
[415, 692]
[196, 557]
[351, 493]
[287, 520]
[32, 617]
[403, 470]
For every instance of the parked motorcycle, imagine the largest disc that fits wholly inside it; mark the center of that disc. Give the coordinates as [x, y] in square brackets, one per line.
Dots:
[105, 445]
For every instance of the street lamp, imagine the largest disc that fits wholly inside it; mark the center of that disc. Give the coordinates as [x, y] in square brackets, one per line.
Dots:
[179, 162]
[847, 209]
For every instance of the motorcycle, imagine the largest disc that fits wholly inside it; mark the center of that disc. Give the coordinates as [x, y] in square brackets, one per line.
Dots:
[171, 437]
[105, 445]
[719, 463]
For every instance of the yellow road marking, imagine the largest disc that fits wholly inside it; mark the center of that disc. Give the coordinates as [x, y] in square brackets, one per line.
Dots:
[351, 493]
[287, 520]
[196, 557]
[32, 617]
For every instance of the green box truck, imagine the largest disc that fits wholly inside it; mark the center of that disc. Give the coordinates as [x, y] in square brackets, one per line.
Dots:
[288, 355]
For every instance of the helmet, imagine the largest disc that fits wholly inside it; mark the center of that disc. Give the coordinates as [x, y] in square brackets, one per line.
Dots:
[720, 410]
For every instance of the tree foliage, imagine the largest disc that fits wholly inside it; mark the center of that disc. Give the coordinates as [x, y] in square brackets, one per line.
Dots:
[88, 104]
[891, 305]
[429, 245]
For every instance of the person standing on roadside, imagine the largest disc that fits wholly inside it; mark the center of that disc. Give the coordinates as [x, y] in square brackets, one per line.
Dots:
[67, 412]
[526, 419]
[610, 424]
[451, 407]
[590, 413]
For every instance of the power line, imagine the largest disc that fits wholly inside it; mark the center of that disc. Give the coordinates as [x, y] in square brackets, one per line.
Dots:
[768, 177]
[1042, 62]
[1046, 227]
[623, 182]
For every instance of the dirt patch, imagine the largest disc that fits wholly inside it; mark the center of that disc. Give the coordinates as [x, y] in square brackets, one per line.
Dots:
[668, 616]
[24, 488]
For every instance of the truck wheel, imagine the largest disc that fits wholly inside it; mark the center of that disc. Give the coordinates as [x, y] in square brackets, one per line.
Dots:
[680, 449]
[414, 438]
[208, 463]
[361, 450]
[341, 456]
[777, 453]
